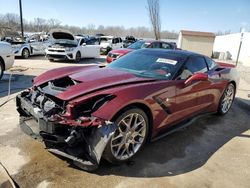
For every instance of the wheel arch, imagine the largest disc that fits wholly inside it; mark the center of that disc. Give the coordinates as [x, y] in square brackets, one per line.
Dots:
[26, 49]
[144, 108]
[2, 61]
[234, 83]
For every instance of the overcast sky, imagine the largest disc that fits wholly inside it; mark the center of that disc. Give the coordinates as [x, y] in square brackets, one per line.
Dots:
[200, 15]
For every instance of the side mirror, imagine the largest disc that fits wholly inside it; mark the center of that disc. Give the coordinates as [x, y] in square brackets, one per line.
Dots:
[84, 44]
[197, 77]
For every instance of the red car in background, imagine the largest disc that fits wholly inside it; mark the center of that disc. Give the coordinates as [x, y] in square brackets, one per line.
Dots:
[86, 113]
[115, 54]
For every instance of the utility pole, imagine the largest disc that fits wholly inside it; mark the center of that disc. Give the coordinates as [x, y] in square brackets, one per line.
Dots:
[241, 39]
[21, 17]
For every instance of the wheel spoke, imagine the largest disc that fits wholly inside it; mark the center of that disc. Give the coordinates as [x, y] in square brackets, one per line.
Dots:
[118, 149]
[123, 151]
[130, 120]
[118, 136]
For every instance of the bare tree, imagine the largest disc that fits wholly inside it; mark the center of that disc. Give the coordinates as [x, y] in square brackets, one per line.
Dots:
[12, 22]
[154, 16]
[53, 23]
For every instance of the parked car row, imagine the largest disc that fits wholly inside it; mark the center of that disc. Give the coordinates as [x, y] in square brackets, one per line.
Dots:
[63, 45]
[115, 54]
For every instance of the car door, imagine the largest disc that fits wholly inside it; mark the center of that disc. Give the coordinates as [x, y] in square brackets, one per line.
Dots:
[35, 47]
[115, 43]
[193, 98]
[83, 48]
[120, 43]
[206, 89]
[89, 50]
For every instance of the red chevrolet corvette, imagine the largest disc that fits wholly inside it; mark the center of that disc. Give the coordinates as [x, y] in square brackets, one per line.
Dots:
[86, 113]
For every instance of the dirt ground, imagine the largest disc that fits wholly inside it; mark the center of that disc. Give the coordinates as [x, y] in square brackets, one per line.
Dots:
[213, 152]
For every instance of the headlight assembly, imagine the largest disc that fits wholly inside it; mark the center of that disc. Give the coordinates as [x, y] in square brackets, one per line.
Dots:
[69, 49]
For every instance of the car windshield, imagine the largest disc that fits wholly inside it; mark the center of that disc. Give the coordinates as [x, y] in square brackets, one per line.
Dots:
[149, 64]
[138, 45]
[65, 42]
[105, 40]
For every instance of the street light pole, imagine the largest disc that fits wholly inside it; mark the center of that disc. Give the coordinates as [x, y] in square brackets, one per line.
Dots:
[241, 39]
[21, 17]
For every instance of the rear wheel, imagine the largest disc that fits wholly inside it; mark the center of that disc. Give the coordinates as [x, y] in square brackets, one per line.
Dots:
[226, 99]
[78, 57]
[1, 69]
[25, 53]
[129, 137]
[51, 60]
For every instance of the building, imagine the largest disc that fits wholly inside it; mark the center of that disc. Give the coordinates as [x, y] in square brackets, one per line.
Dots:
[195, 41]
[227, 46]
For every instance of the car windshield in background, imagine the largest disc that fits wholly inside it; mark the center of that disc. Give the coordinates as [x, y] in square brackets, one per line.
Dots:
[152, 65]
[105, 40]
[65, 42]
[138, 45]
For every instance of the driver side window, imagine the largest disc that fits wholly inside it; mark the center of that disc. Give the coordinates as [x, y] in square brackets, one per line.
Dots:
[193, 65]
[82, 41]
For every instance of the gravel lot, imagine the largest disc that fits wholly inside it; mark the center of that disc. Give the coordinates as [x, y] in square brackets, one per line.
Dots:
[212, 152]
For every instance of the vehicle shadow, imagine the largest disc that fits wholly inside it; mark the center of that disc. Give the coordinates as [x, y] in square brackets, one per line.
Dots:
[183, 151]
[33, 57]
[18, 83]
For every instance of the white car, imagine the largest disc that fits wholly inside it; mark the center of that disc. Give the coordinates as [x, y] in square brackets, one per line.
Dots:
[25, 49]
[109, 43]
[6, 57]
[67, 47]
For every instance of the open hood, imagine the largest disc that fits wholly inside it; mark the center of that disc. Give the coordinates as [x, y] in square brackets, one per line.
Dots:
[61, 34]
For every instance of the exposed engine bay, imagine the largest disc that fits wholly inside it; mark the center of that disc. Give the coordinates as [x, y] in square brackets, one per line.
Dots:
[69, 132]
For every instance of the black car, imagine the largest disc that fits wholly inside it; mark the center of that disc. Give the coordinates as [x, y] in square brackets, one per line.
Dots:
[128, 41]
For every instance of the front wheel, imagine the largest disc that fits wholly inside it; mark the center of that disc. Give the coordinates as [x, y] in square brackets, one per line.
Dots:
[78, 57]
[226, 99]
[129, 137]
[25, 53]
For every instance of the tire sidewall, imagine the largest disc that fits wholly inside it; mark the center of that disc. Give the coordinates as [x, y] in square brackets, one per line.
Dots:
[108, 155]
[78, 60]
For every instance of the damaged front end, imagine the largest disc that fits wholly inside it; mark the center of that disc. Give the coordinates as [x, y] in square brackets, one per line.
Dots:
[67, 130]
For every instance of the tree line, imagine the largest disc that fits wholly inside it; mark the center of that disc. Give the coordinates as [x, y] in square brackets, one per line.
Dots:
[12, 22]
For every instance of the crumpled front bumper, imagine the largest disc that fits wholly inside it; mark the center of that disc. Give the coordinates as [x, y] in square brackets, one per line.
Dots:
[83, 145]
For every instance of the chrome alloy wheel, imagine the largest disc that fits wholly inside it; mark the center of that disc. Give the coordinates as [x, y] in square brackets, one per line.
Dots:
[129, 136]
[227, 98]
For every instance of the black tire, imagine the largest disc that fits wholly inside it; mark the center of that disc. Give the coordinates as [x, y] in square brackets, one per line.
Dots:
[1, 69]
[226, 96]
[25, 53]
[108, 50]
[109, 152]
[51, 60]
[78, 57]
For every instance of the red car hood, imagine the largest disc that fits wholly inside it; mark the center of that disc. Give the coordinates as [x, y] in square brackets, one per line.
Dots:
[93, 79]
[122, 51]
